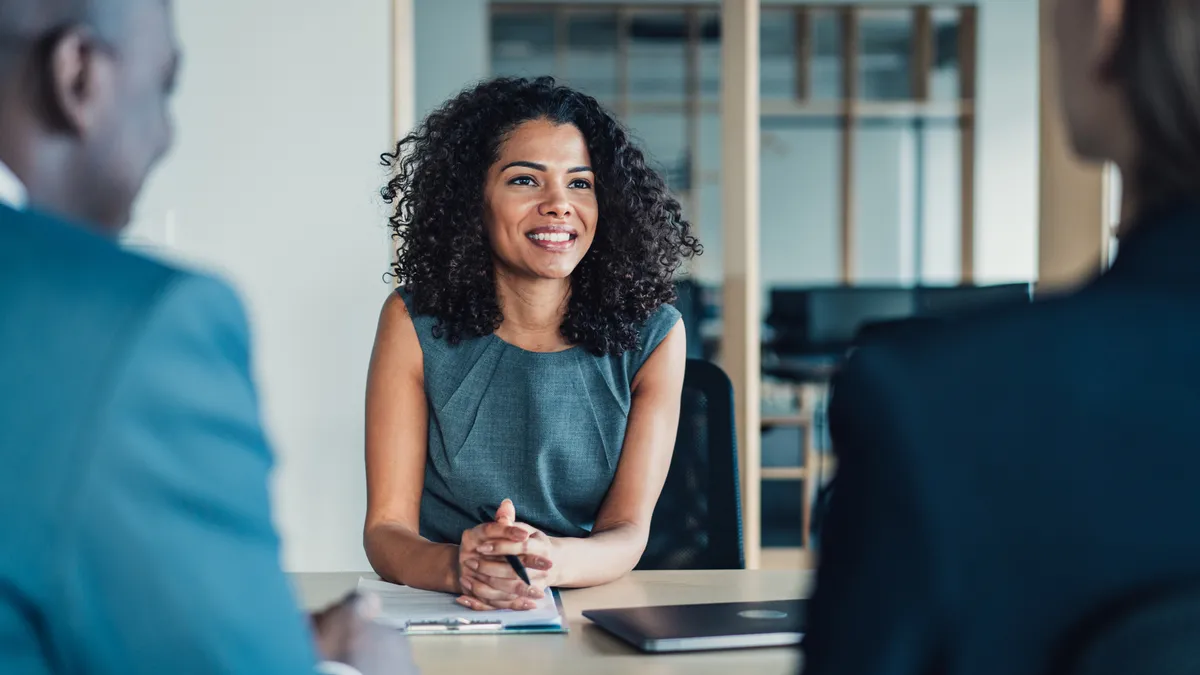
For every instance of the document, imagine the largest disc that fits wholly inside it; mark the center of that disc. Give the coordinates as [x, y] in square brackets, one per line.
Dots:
[401, 606]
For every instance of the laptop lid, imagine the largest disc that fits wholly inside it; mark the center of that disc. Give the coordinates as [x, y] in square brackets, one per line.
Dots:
[731, 625]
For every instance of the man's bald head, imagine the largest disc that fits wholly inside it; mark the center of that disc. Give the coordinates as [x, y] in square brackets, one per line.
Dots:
[84, 86]
[31, 19]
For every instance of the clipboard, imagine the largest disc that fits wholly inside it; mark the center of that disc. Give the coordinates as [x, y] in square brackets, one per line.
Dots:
[464, 625]
[418, 612]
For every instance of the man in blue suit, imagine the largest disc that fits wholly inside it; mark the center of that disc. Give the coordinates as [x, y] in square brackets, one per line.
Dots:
[135, 531]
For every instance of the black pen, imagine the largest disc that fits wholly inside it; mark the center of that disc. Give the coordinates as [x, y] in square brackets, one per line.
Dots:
[513, 561]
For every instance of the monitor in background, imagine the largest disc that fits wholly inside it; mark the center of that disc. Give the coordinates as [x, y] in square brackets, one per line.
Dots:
[815, 321]
[943, 301]
[829, 320]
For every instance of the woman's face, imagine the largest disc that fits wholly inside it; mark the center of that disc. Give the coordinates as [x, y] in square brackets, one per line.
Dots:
[540, 201]
[1086, 35]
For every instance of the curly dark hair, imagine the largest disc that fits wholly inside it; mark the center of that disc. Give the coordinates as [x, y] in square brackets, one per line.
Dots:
[444, 260]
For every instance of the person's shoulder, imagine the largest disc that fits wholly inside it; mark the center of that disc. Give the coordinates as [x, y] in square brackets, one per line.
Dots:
[997, 338]
[658, 325]
[65, 264]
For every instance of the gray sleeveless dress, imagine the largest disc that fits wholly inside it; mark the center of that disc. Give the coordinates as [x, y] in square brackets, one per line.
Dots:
[542, 429]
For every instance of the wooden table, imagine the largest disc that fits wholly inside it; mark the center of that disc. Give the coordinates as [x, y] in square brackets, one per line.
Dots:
[586, 649]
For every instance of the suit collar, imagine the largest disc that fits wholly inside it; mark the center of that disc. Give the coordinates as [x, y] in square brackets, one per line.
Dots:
[1162, 247]
[12, 191]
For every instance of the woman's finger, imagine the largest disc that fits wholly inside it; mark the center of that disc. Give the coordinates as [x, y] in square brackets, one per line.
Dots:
[507, 513]
[497, 568]
[536, 562]
[482, 588]
[499, 547]
[474, 603]
[498, 531]
[514, 587]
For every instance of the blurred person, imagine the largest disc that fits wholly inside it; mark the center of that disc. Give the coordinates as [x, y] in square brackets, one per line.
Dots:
[1006, 479]
[136, 534]
[530, 366]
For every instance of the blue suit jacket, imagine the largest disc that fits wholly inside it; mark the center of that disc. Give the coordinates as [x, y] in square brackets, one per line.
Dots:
[135, 530]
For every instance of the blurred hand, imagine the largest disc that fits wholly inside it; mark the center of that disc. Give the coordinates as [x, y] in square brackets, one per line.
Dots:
[346, 633]
[488, 581]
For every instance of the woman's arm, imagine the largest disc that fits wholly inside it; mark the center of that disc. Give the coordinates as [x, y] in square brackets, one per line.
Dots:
[397, 427]
[623, 524]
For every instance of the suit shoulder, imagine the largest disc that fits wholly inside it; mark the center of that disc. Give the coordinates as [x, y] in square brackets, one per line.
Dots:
[993, 336]
[65, 264]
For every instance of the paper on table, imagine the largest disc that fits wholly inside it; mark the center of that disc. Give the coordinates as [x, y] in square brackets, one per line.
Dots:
[400, 604]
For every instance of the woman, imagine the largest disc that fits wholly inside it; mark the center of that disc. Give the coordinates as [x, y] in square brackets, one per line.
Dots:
[524, 389]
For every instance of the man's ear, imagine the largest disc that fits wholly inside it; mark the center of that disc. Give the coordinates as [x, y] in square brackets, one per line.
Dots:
[80, 81]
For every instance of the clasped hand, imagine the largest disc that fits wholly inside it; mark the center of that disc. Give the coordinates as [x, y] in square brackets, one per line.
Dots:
[487, 580]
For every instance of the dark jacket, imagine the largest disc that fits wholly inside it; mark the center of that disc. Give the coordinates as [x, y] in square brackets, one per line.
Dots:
[1003, 478]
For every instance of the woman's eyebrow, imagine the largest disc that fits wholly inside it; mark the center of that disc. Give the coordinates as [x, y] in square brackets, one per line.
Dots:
[542, 167]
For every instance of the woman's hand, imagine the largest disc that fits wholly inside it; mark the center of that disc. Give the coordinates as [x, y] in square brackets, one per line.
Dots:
[488, 581]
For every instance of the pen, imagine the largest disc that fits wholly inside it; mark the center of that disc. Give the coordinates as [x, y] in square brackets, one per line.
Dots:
[513, 561]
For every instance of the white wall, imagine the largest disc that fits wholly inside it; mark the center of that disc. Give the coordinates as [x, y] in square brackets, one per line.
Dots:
[282, 115]
[452, 49]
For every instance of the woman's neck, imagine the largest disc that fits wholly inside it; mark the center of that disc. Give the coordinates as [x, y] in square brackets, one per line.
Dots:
[533, 311]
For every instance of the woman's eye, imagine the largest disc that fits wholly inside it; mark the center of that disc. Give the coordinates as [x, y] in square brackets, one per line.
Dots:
[522, 180]
[581, 184]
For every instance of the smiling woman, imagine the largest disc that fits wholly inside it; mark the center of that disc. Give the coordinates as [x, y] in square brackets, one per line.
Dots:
[530, 365]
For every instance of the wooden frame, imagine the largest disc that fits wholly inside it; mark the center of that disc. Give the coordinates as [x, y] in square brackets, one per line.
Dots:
[968, 20]
[404, 81]
[849, 22]
[741, 308]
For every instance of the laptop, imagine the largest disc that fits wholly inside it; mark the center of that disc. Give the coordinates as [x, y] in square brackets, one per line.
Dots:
[730, 625]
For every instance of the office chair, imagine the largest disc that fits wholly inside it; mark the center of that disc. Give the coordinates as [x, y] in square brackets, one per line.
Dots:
[1156, 633]
[697, 522]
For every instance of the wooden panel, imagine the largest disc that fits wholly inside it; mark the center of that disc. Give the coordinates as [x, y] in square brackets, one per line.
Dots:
[693, 114]
[921, 66]
[1072, 232]
[967, 62]
[803, 36]
[561, 30]
[741, 306]
[624, 22]
[403, 69]
[404, 81]
[849, 18]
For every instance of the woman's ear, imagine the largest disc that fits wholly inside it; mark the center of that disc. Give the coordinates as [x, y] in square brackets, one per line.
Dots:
[1110, 19]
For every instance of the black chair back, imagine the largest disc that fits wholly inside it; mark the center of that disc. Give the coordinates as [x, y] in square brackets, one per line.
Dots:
[1152, 633]
[697, 522]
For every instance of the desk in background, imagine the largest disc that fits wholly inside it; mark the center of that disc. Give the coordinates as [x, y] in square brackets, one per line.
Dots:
[587, 649]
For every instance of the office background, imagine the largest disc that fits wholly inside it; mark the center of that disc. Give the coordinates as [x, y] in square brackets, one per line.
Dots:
[275, 179]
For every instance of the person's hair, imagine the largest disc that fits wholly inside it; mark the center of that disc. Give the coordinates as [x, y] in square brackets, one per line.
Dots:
[1157, 64]
[444, 260]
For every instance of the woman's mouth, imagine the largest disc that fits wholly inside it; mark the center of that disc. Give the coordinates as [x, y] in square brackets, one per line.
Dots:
[553, 240]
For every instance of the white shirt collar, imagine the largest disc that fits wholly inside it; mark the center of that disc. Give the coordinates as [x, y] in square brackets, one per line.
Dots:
[12, 191]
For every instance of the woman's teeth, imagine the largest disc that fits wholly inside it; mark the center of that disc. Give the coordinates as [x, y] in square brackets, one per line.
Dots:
[551, 236]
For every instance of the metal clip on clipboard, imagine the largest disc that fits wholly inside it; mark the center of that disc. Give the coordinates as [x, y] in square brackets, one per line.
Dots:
[458, 625]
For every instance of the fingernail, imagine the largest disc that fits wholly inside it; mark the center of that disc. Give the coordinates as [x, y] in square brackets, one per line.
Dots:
[463, 601]
[528, 605]
[473, 564]
[486, 548]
